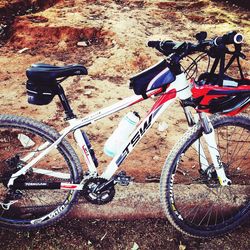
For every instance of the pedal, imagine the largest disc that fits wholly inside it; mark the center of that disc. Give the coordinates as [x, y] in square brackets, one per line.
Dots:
[122, 179]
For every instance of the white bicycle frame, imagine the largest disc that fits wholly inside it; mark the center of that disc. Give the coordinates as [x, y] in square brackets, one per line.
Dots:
[180, 88]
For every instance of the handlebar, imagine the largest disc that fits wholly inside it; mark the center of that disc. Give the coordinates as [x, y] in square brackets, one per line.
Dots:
[229, 38]
[184, 49]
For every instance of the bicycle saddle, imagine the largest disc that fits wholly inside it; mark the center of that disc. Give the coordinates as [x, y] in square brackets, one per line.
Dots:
[41, 71]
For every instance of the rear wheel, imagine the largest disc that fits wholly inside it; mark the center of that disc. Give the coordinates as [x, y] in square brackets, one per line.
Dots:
[194, 201]
[20, 141]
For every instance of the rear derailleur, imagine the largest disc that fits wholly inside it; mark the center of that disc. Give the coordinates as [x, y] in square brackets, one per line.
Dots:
[100, 191]
[11, 197]
[12, 165]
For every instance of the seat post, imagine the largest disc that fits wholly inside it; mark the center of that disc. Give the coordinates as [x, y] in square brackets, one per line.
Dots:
[67, 109]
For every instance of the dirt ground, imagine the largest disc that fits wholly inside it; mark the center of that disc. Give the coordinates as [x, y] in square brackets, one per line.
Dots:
[113, 36]
[113, 235]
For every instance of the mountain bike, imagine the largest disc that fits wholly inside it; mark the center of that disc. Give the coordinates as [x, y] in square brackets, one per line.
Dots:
[205, 180]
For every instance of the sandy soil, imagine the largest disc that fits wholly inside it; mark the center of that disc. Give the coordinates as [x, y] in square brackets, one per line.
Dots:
[115, 34]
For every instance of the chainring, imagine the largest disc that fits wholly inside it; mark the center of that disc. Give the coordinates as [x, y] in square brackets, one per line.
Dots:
[96, 197]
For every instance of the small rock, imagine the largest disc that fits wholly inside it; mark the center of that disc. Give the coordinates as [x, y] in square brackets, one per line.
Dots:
[22, 50]
[156, 158]
[135, 246]
[182, 247]
[152, 178]
[88, 92]
[2, 29]
[103, 236]
[162, 126]
[82, 44]
[62, 45]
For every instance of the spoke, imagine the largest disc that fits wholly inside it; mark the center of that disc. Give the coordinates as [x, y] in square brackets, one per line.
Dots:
[198, 154]
[241, 149]
[227, 144]
[2, 213]
[216, 216]
[222, 215]
[228, 138]
[244, 159]
[205, 215]
[183, 209]
[190, 212]
[234, 151]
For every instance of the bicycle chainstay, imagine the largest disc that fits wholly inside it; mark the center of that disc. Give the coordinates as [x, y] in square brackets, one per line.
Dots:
[6, 179]
[83, 193]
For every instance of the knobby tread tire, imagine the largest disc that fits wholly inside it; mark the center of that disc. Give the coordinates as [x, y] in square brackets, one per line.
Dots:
[71, 158]
[195, 131]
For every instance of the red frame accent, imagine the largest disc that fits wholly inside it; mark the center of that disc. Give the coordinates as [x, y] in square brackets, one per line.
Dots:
[164, 98]
[68, 186]
[156, 92]
[203, 91]
[86, 155]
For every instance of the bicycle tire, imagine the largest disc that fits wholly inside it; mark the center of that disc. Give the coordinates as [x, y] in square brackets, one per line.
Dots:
[196, 204]
[20, 136]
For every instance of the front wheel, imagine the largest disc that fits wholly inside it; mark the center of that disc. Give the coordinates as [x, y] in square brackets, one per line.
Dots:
[193, 199]
[22, 139]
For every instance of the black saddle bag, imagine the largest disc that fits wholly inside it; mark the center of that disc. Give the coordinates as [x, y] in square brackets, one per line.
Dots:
[41, 93]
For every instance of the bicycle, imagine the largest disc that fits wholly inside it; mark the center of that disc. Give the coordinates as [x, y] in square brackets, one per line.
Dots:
[205, 180]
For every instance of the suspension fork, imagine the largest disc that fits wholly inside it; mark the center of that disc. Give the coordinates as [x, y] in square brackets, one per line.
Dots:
[209, 136]
[198, 147]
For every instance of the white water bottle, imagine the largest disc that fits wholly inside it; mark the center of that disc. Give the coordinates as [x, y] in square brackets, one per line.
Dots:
[126, 126]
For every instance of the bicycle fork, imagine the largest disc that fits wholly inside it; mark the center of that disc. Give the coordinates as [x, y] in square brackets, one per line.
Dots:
[209, 137]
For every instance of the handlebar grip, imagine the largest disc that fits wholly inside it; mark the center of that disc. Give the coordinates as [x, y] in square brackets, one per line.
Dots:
[229, 38]
[166, 47]
[154, 44]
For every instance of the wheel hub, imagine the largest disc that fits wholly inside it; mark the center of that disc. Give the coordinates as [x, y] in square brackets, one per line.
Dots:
[210, 176]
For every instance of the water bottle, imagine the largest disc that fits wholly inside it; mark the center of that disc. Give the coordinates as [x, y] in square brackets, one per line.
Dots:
[126, 126]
